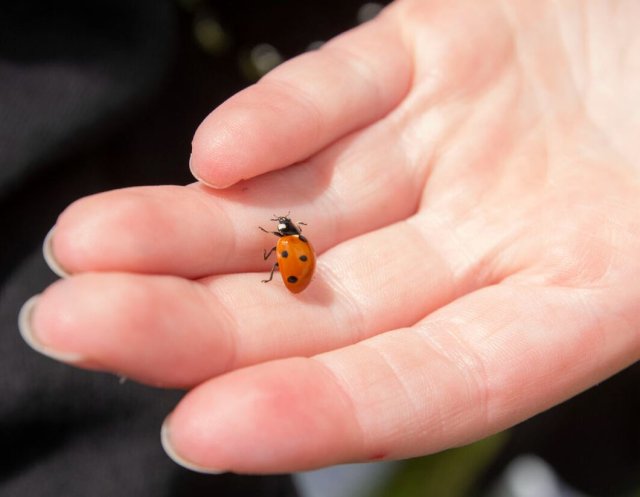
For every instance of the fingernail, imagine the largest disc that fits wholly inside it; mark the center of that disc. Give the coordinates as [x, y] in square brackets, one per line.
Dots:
[194, 174]
[26, 331]
[49, 258]
[200, 180]
[171, 452]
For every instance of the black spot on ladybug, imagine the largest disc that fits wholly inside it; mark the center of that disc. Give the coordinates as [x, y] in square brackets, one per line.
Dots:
[284, 254]
[292, 279]
[303, 258]
[303, 238]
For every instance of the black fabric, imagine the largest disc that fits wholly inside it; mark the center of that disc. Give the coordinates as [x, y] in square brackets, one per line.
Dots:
[69, 68]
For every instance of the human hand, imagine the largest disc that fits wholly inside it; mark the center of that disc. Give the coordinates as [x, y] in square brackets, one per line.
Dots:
[469, 177]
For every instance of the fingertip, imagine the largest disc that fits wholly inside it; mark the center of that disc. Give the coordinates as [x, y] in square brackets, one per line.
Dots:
[30, 334]
[203, 175]
[49, 255]
[72, 244]
[221, 147]
[167, 445]
[271, 418]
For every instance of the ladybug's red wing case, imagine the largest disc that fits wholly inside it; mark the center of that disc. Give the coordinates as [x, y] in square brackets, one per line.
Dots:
[296, 261]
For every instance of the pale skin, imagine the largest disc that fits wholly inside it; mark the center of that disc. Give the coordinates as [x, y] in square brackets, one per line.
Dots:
[469, 175]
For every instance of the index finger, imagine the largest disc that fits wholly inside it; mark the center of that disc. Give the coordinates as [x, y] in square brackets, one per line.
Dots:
[303, 105]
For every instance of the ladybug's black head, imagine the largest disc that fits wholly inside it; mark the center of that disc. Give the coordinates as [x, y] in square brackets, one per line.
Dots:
[286, 226]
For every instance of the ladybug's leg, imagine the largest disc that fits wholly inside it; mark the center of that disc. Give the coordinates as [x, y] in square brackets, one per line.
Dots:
[267, 254]
[275, 266]
[300, 223]
[277, 233]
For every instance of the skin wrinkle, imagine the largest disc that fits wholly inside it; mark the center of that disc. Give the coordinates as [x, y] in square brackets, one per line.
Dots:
[200, 194]
[370, 446]
[442, 420]
[520, 58]
[496, 393]
[594, 328]
[628, 55]
[500, 258]
[429, 25]
[461, 128]
[303, 100]
[384, 267]
[209, 297]
[397, 378]
[354, 59]
[447, 135]
[469, 364]
[581, 297]
[343, 386]
[594, 64]
[343, 179]
[414, 223]
[395, 370]
[419, 239]
[437, 422]
[455, 129]
[581, 105]
[336, 220]
[498, 249]
[482, 264]
[407, 237]
[395, 16]
[600, 247]
[332, 214]
[418, 166]
[478, 160]
[347, 300]
[478, 73]
[568, 56]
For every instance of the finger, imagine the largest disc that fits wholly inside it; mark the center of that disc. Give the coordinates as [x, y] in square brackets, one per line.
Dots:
[303, 105]
[142, 327]
[197, 231]
[475, 367]
[363, 287]
[154, 230]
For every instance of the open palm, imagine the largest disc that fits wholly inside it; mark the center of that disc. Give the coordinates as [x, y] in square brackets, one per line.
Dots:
[468, 173]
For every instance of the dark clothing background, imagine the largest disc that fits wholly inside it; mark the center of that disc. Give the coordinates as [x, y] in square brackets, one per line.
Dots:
[105, 94]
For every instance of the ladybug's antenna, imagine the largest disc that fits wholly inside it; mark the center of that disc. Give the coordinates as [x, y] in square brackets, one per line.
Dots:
[277, 218]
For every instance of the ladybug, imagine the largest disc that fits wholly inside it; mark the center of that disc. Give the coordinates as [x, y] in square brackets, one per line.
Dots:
[295, 257]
